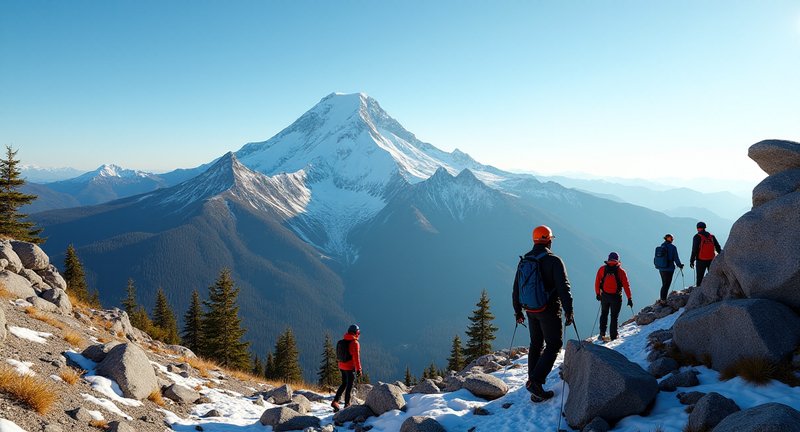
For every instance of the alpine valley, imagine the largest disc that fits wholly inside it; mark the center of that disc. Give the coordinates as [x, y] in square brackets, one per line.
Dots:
[345, 216]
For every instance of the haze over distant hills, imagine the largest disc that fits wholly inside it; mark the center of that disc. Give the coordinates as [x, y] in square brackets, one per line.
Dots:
[347, 216]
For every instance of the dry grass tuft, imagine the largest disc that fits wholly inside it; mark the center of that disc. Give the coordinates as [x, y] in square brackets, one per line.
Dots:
[99, 424]
[44, 317]
[156, 398]
[70, 375]
[103, 340]
[5, 294]
[74, 339]
[32, 391]
[683, 359]
[756, 370]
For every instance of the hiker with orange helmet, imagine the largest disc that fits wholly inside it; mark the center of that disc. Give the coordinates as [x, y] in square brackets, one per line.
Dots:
[348, 353]
[704, 248]
[545, 320]
[608, 285]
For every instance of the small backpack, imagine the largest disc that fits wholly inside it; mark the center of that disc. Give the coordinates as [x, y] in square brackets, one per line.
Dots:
[661, 259]
[343, 351]
[532, 294]
[707, 251]
[614, 271]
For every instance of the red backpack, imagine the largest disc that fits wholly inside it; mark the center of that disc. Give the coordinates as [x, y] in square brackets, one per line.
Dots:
[707, 251]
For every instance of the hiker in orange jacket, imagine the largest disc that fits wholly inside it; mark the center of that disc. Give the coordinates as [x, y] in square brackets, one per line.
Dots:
[350, 368]
[608, 285]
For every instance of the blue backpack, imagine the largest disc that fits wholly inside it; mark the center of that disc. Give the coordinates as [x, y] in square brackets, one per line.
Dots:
[661, 259]
[530, 286]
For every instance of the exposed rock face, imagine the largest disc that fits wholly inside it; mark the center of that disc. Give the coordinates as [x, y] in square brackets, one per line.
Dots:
[59, 298]
[425, 387]
[384, 398]
[181, 394]
[733, 329]
[771, 417]
[775, 156]
[16, 284]
[454, 383]
[421, 424]
[129, 366]
[596, 425]
[709, 411]
[486, 386]
[7, 253]
[352, 412]
[52, 277]
[35, 280]
[603, 383]
[31, 255]
[282, 394]
[776, 186]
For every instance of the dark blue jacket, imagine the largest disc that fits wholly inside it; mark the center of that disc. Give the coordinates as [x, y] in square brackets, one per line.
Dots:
[672, 257]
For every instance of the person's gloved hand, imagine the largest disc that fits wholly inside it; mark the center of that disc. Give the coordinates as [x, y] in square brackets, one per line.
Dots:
[680, 266]
[691, 264]
[520, 317]
[358, 373]
[570, 319]
[630, 302]
[597, 297]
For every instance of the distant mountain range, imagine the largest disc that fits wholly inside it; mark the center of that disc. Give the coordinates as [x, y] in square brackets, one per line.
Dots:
[346, 216]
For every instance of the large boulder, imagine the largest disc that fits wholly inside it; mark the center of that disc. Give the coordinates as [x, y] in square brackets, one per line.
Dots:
[771, 417]
[709, 411]
[181, 394]
[298, 423]
[486, 386]
[16, 284]
[31, 255]
[384, 398]
[427, 386]
[774, 156]
[36, 281]
[52, 277]
[603, 383]
[351, 413]
[275, 416]
[300, 404]
[128, 365]
[776, 186]
[687, 378]
[421, 424]
[730, 330]
[13, 263]
[59, 298]
[281, 395]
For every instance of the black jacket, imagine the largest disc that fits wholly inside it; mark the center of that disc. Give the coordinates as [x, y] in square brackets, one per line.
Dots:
[696, 245]
[554, 276]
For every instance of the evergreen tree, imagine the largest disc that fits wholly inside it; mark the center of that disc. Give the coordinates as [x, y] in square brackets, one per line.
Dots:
[166, 326]
[136, 314]
[481, 332]
[269, 368]
[287, 359]
[192, 335]
[329, 367]
[456, 360]
[76, 278]
[222, 327]
[129, 302]
[12, 223]
[258, 368]
[409, 380]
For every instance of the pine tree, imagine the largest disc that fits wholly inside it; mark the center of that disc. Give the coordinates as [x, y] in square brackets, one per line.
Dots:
[222, 327]
[164, 321]
[129, 302]
[269, 368]
[192, 336]
[136, 314]
[258, 367]
[12, 223]
[287, 360]
[481, 331]
[409, 379]
[76, 278]
[329, 367]
[456, 360]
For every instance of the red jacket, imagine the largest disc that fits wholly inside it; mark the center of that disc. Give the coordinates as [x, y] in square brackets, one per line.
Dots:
[355, 354]
[609, 285]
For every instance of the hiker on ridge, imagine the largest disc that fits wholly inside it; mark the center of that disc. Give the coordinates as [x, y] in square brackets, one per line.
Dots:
[542, 274]
[665, 261]
[611, 279]
[348, 353]
[704, 248]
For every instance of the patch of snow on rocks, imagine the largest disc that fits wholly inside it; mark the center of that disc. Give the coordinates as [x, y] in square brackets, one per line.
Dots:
[28, 334]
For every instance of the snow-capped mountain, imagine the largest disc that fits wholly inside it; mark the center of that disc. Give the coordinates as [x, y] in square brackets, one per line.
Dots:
[106, 183]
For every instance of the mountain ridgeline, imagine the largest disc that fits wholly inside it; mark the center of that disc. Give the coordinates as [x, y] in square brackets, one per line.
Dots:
[345, 216]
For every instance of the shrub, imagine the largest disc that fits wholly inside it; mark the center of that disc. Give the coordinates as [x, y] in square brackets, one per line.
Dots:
[156, 398]
[74, 339]
[30, 390]
[70, 375]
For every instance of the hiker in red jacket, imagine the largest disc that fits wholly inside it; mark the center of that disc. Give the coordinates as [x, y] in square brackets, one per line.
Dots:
[704, 248]
[611, 279]
[349, 365]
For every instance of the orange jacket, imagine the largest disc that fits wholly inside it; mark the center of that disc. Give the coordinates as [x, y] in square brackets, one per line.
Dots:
[355, 353]
[610, 283]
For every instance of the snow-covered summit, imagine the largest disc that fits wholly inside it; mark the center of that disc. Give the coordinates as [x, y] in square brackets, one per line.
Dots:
[111, 171]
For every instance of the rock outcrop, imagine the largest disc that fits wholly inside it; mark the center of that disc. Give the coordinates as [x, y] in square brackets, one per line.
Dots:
[709, 411]
[129, 366]
[31, 255]
[16, 285]
[421, 424]
[771, 417]
[12, 262]
[384, 398]
[603, 383]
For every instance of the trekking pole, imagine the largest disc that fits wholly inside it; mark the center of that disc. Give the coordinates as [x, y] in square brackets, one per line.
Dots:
[595, 320]
[511, 347]
[683, 281]
[563, 380]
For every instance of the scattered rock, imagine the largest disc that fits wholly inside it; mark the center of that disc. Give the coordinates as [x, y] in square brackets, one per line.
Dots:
[485, 386]
[310, 395]
[35, 280]
[16, 284]
[454, 383]
[80, 414]
[31, 255]
[653, 312]
[385, 397]
[42, 304]
[689, 398]
[351, 413]
[402, 386]
[663, 366]
[596, 425]
[421, 424]
[709, 411]
[52, 277]
[492, 367]
[275, 416]
[7, 253]
[733, 329]
[181, 394]
[98, 352]
[59, 298]
[603, 383]
[426, 386]
[52, 428]
[655, 355]
[300, 404]
[300, 422]
[679, 379]
[507, 405]
[771, 417]
[775, 156]
[118, 426]
[129, 366]
[678, 299]
[203, 400]
[212, 413]
[659, 336]
[181, 351]
[281, 395]
[481, 411]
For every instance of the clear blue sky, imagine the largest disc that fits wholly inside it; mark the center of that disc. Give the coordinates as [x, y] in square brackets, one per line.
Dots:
[625, 88]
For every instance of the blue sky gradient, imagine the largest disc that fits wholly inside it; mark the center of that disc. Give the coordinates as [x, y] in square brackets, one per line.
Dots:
[624, 88]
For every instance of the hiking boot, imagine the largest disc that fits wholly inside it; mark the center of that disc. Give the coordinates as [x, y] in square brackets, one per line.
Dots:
[538, 394]
[335, 405]
[603, 338]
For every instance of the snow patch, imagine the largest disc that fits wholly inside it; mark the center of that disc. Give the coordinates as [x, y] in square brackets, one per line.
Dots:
[9, 426]
[28, 334]
[100, 384]
[107, 405]
[22, 367]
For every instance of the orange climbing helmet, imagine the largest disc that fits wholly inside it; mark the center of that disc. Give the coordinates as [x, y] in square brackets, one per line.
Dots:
[542, 234]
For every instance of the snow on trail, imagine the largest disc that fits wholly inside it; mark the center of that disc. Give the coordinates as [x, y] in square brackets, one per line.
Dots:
[9, 426]
[28, 334]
